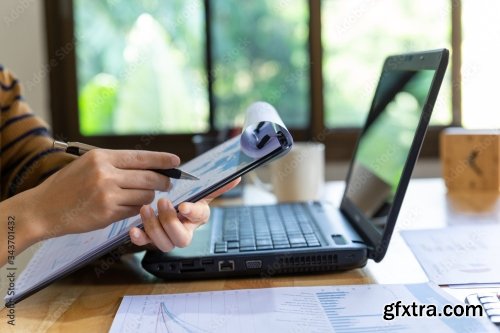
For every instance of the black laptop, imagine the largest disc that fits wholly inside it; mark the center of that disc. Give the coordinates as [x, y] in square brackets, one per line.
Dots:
[314, 236]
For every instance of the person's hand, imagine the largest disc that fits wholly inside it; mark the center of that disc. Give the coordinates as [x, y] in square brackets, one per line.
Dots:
[100, 187]
[171, 229]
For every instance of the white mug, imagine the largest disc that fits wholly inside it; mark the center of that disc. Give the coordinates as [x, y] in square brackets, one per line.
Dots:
[300, 174]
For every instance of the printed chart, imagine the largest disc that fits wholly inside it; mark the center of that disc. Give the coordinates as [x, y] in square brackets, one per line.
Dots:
[342, 309]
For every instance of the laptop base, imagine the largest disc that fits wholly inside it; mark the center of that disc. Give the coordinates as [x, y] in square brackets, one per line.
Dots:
[259, 264]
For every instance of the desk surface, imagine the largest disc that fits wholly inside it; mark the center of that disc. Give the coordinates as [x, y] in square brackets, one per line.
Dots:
[84, 302]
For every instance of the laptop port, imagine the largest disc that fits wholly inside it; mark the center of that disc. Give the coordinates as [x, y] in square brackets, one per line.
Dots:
[207, 261]
[187, 263]
[226, 266]
[253, 264]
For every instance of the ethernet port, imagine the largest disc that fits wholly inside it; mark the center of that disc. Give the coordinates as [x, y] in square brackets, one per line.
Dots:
[226, 265]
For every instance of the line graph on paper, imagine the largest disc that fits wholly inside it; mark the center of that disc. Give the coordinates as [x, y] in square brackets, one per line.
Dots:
[203, 312]
[167, 321]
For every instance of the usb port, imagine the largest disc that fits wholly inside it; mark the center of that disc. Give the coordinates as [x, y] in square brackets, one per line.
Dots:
[226, 266]
[207, 261]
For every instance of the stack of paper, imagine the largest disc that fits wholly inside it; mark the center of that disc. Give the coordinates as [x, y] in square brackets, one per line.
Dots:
[457, 255]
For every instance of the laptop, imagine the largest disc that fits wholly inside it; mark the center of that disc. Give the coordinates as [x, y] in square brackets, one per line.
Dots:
[316, 236]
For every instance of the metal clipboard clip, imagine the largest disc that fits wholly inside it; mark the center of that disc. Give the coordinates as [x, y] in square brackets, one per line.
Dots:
[265, 132]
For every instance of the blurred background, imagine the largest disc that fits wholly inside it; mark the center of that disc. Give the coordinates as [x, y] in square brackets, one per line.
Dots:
[151, 74]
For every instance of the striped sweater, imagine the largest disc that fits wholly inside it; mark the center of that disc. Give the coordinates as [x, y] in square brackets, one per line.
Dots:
[26, 154]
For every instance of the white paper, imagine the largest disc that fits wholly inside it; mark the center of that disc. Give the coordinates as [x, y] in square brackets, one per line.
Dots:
[457, 255]
[340, 309]
[61, 255]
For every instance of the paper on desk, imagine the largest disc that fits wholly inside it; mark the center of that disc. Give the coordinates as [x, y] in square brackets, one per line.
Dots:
[457, 255]
[59, 256]
[340, 309]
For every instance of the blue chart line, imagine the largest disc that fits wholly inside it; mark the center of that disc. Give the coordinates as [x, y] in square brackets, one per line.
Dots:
[180, 325]
[332, 303]
[55, 263]
[117, 228]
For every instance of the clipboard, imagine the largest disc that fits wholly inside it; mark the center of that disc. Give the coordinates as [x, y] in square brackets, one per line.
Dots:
[264, 138]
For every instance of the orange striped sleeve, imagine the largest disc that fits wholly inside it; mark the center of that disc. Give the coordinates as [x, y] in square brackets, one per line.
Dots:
[26, 154]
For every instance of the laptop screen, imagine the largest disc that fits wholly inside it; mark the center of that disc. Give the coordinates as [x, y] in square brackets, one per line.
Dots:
[386, 143]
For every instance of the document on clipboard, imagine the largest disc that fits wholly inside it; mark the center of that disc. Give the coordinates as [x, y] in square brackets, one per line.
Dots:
[264, 138]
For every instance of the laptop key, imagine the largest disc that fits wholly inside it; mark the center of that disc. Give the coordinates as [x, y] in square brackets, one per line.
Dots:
[233, 245]
[489, 299]
[493, 312]
[220, 247]
[247, 243]
[297, 240]
[298, 245]
[261, 243]
[231, 238]
[247, 248]
[282, 246]
[280, 240]
[310, 238]
[491, 306]
[307, 229]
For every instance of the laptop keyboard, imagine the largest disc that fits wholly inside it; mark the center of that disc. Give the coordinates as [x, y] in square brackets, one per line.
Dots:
[257, 228]
[490, 303]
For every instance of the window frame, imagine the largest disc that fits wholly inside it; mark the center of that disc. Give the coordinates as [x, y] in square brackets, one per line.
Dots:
[340, 142]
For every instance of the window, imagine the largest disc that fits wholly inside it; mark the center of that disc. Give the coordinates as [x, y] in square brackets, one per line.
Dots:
[140, 67]
[150, 74]
[480, 66]
[260, 53]
[356, 40]
[142, 70]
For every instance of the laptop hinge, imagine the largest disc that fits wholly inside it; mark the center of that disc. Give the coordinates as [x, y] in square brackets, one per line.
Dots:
[370, 252]
[348, 211]
[370, 248]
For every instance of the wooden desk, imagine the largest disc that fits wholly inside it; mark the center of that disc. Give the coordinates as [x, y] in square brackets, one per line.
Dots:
[84, 302]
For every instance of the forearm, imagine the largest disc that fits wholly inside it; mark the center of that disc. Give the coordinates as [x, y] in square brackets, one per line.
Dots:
[28, 156]
[18, 228]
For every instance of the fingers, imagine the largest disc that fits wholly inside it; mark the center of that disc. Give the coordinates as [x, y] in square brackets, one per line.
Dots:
[154, 230]
[166, 231]
[142, 179]
[132, 197]
[223, 189]
[139, 237]
[197, 213]
[142, 159]
[178, 233]
[116, 214]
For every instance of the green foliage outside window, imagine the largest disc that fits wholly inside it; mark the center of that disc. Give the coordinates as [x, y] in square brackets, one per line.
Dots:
[151, 54]
[141, 64]
[260, 53]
